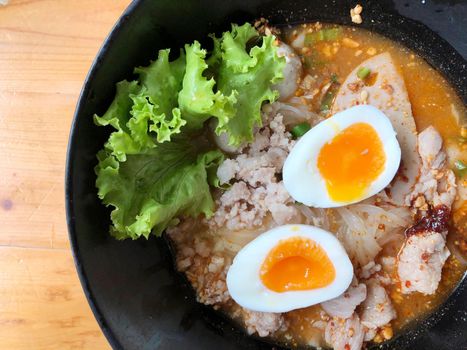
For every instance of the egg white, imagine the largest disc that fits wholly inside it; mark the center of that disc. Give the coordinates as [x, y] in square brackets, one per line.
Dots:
[245, 285]
[302, 178]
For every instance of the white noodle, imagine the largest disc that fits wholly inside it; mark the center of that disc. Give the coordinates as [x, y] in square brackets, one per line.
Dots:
[455, 251]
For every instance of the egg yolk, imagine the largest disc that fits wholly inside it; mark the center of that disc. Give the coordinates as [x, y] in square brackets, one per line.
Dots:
[351, 161]
[296, 264]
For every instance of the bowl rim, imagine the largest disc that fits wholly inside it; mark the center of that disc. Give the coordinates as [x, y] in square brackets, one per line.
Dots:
[70, 154]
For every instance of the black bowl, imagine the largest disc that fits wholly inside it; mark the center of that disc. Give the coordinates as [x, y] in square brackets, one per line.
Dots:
[137, 298]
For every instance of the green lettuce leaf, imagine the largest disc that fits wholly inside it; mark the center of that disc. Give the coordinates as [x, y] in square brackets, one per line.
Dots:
[157, 164]
[139, 120]
[234, 46]
[163, 80]
[247, 74]
[146, 118]
[155, 109]
[117, 115]
[152, 188]
[197, 99]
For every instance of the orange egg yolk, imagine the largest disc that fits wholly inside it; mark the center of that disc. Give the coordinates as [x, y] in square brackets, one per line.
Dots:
[351, 161]
[296, 264]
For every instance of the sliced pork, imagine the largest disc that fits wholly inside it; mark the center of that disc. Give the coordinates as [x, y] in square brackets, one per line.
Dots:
[421, 261]
[345, 334]
[377, 309]
[344, 305]
[421, 258]
[437, 183]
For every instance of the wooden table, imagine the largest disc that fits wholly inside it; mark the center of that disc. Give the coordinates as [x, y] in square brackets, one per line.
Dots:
[46, 49]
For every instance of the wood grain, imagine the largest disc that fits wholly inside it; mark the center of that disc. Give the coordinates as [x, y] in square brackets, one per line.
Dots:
[42, 305]
[46, 49]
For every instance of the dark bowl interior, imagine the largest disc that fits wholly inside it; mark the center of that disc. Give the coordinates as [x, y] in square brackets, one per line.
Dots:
[137, 298]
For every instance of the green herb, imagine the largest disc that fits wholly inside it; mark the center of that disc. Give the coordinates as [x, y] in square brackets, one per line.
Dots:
[327, 100]
[312, 61]
[300, 129]
[328, 34]
[308, 62]
[156, 164]
[460, 168]
[460, 165]
[363, 72]
[313, 38]
[155, 186]
[331, 34]
[334, 78]
[247, 75]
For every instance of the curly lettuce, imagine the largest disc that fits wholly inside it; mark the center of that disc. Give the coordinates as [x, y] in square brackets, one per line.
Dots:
[197, 99]
[157, 164]
[152, 188]
[248, 73]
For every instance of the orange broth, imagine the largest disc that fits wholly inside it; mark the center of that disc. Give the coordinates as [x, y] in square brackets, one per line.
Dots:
[434, 102]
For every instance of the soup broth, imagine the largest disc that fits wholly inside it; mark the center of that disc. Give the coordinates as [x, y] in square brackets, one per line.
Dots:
[328, 60]
[434, 102]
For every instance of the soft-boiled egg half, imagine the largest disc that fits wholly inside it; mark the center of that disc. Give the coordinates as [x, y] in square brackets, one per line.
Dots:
[289, 267]
[344, 159]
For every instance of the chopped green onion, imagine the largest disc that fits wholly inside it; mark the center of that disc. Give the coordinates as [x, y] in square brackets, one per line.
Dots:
[313, 38]
[300, 129]
[363, 72]
[327, 101]
[334, 78]
[329, 34]
[308, 62]
[312, 61]
[460, 167]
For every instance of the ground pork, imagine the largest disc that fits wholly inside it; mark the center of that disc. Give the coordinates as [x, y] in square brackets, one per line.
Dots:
[344, 305]
[421, 261]
[377, 309]
[256, 190]
[368, 270]
[205, 269]
[388, 263]
[437, 183]
[345, 334]
[263, 323]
